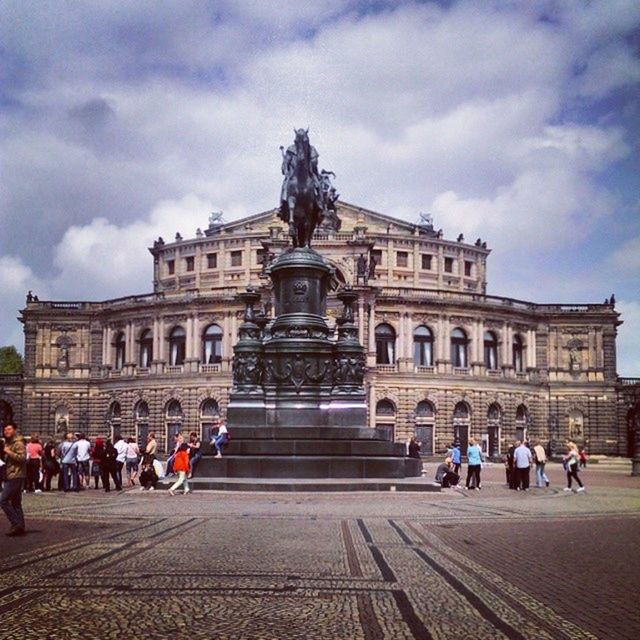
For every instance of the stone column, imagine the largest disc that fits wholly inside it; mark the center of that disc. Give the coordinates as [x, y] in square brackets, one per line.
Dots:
[409, 338]
[109, 340]
[361, 320]
[161, 341]
[371, 355]
[372, 406]
[189, 338]
[156, 339]
[196, 338]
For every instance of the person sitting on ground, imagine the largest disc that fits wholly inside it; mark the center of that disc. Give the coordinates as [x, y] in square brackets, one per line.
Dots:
[445, 474]
[148, 476]
[221, 439]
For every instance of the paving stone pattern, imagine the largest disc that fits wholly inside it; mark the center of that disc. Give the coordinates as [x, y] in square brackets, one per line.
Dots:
[222, 565]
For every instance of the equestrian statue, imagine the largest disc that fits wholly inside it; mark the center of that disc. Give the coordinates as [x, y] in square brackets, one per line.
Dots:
[307, 198]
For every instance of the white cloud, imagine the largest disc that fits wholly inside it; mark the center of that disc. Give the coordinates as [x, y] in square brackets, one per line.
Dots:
[114, 260]
[16, 278]
[478, 112]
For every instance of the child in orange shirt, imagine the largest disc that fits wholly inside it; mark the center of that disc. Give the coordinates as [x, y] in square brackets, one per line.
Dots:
[181, 466]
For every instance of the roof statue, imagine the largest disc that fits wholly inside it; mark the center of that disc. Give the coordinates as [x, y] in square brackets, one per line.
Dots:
[307, 198]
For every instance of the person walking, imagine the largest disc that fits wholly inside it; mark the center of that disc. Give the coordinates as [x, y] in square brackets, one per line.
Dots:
[522, 465]
[34, 464]
[540, 456]
[570, 462]
[181, 467]
[15, 459]
[474, 458]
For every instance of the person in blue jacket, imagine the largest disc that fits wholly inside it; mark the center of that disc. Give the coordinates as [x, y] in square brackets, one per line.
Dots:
[474, 456]
[456, 457]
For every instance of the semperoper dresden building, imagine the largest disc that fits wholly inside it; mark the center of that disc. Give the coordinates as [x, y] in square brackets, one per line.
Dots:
[444, 359]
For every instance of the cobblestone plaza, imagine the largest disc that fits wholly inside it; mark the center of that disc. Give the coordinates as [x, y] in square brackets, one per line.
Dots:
[490, 564]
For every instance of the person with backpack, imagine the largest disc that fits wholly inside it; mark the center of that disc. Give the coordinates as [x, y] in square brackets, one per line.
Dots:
[540, 456]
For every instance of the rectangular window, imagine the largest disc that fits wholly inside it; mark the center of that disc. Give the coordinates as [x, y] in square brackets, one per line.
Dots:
[468, 265]
[448, 265]
[212, 260]
[426, 261]
[402, 259]
[189, 263]
[171, 267]
[236, 258]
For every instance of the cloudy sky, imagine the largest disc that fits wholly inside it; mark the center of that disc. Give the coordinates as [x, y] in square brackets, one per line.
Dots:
[514, 120]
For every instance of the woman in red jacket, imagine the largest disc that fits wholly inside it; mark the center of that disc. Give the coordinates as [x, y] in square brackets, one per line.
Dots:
[181, 466]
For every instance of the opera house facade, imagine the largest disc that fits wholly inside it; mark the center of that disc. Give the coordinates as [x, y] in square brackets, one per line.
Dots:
[444, 359]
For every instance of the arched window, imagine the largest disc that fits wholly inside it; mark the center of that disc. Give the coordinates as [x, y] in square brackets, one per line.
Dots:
[459, 344]
[494, 415]
[114, 417]
[522, 422]
[177, 346]
[518, 363]
[423, 347]
[461, 425]
[461, 411]
[146, 348]
[522, 413]
[141, 415]
[425, 426]
[425, 409]
[490, 350]
[120, 344]
[386, 419]
[142, 410]
[209, 418]
[212, 344]
[385, 344]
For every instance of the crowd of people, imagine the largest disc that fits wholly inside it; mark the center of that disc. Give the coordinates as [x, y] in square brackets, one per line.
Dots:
[518, 462]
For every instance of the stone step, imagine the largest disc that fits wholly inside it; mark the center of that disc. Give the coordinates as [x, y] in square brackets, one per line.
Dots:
[230, 466]
[311, 448]
[301, 485]
[305, 433]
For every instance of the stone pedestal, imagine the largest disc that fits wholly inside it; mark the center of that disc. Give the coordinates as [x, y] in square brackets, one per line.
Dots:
[298, 404]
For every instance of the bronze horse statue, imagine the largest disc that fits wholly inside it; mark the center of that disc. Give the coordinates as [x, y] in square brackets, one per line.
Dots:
[301, 201]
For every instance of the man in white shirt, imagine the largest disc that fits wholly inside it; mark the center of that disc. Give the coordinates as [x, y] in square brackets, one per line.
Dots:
[83, 456]
[121, 447]
[522, 462]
